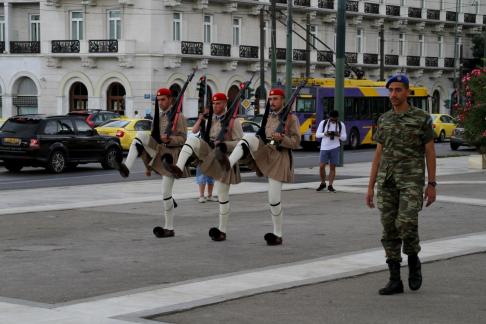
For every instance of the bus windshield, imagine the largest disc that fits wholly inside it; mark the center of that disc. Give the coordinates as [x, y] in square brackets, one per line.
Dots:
[306, 105]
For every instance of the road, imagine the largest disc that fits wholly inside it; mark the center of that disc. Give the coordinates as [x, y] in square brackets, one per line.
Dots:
[94, 174]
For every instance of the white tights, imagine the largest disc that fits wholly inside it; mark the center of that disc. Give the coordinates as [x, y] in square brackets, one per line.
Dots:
[167, 184]
[143, 139]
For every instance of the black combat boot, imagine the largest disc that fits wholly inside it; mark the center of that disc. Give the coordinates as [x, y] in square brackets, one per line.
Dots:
[395, 285]
[414, 272]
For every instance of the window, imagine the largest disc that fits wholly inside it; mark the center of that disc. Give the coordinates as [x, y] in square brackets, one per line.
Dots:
[440, 40]
[51, 127]
[66, 127]
[35, 28]
[208, 22]
[2, 28]
[114, 24]
[359, 40]
[77, 25]
[401, 44]
[313, 32]
[421, 45]
[236, 31]
[176, 26]
[82, 126]
[305, 105]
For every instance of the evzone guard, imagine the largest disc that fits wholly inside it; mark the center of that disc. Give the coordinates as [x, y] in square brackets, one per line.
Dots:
[221, 134]
[271, 150]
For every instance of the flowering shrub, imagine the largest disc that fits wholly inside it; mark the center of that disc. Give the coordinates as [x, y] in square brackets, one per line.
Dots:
[473, 113]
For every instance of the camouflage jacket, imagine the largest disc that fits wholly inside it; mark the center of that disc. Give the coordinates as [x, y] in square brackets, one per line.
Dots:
[403, 137]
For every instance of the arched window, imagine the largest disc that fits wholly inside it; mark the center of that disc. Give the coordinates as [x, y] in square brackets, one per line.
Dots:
[436, 102]
[25, 96]
[78, 97]
[116, 98]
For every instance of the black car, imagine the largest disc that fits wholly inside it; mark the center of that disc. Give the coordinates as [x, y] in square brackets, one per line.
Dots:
[54, 142]
[95, 117]
[457, 138]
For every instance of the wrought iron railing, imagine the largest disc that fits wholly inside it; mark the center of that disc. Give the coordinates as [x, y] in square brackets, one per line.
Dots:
[451, 16]
[351, 57]
[413, 60]
[391, 59]
[414, 12]
[24, 47]
[220, 49]
[282, 1]
[392, 10]
[325, 56]
[326, 4]
[248, 51]
[103, 46]
[433, 14]
[469, 63]
[2, 47]
[432, 61]
[65, 46]
[370, 58]
[299, 55]
[352, 5]
[449, 62]
[280, 53]
[192, 48]
[372, 8]
[470, 18]
[303, 3]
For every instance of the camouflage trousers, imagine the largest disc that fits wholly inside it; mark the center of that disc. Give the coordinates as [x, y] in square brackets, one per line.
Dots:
[399, 216]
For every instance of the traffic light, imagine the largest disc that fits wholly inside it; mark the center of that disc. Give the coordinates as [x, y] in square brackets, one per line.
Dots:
[247, 93]
[201, 87]
[243, 93]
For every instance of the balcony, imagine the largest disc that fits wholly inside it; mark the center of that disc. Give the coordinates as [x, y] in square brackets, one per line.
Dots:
[433, 14]
[325, 56]
[192, 48]
[220, 50]
[369, 58]
[393, 10]
[451, 16]
[302, 3]
[391, 59]
[413, 60]
[2, 47]
[469, 18]
[352, 6]
[432, 61]
[449, 62]
[248, 51]
[326, 4]
[372, 8]
[103, 46]
[24, 47]
[280, 53]
[351, 58]
[414, 12]
[299, 55]
[65, 46]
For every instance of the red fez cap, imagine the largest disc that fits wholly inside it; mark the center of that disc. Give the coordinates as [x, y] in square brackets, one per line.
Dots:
[219, 96]
[277, 92]
[164, 92]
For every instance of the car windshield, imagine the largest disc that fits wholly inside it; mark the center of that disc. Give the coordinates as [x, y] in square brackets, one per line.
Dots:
[20, 126]
[116, 124]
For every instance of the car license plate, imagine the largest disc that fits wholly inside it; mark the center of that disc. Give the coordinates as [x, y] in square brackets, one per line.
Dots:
[11, 140]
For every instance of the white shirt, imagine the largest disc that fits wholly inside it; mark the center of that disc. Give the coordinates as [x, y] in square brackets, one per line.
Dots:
[326, 143]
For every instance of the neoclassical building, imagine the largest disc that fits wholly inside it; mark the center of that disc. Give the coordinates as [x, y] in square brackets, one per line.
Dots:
[60, 55]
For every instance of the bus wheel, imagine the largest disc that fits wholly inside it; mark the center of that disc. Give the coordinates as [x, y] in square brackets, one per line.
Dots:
[354, 139]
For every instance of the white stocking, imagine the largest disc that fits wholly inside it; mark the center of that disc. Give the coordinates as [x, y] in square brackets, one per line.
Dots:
[167, 183]
[274, 199]
[249, 140]
[143, 139]
[224, 204]
[192, 145]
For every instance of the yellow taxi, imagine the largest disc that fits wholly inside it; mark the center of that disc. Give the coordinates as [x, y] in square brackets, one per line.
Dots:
[125, 129]
[443, 126]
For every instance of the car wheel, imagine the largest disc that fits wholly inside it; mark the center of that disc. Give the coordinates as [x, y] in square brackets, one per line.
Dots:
[57, 162]
[13, 166]
[454, 146]
[354, 139]
[111, 158]
[442, 136]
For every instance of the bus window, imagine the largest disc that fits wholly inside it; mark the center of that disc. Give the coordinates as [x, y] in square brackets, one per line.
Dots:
[363, 109]
[328, 104]
[305, 105]
[349, 108]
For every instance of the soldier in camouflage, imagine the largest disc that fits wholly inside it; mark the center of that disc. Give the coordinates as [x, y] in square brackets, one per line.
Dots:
[404, 136]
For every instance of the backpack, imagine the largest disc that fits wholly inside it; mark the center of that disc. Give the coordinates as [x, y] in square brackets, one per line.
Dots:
[340, 126]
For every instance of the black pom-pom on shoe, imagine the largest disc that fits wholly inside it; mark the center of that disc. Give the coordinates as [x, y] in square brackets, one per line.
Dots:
[162, 232]
[217, 235]
[124, 172]
[272, 239]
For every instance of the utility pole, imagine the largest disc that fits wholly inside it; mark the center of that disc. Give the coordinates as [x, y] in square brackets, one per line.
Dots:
[289, 51]
[274, 44]
[456, 51]
[340, 61]
[307, 47]
[262, 94]
[382, 53]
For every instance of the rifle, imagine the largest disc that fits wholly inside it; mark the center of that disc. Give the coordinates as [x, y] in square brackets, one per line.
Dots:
[173, 113]
[206, 127]
[261, 130]
[232, 111]
[286, 110]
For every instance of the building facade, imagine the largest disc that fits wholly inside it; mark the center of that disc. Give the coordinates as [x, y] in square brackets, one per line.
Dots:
[59, 55]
